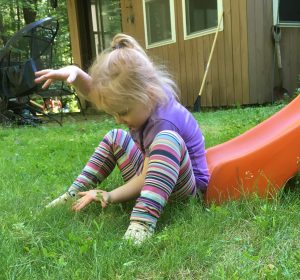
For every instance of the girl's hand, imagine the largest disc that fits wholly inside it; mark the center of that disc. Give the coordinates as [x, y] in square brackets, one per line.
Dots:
[48, 76]
[93, 195]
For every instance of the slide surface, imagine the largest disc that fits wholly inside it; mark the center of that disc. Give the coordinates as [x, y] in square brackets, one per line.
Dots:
[260, 160]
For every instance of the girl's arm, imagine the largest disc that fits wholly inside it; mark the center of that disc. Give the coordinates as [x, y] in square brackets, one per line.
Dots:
[132, 189]
[70, 74]
[129, 191]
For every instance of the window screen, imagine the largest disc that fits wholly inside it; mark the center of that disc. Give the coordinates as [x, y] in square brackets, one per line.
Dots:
[289, 11]
[158, 21]
[200, 15]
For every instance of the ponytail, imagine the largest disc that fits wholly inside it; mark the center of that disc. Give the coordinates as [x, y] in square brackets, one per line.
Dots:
[125, 74]
[121, 41]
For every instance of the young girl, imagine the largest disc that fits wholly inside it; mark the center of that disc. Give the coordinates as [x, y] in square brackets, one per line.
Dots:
[161, 157]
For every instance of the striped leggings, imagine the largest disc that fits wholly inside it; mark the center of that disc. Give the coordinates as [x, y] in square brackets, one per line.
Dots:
[169, 175]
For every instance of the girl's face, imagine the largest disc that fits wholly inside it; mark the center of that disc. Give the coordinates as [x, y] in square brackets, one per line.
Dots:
[133, 117]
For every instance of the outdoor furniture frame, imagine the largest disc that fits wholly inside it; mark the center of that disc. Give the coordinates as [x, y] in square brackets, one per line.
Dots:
[29, 50]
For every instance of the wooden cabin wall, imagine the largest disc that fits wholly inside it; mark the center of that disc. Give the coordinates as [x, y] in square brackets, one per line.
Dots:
[261, 50]
[133, 24]
[74, 31]
[242, 71]
[290, 43]
[81, 35]
[227, 80]
[82, 41]
[263, 70]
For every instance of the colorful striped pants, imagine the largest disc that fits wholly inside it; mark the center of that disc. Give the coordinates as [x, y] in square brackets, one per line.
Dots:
[169, 175]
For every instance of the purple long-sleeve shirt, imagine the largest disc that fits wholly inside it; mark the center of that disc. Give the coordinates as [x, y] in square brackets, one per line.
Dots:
[173, 116]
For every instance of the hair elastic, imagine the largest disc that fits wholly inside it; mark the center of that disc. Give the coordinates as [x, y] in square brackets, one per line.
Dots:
[117, 46]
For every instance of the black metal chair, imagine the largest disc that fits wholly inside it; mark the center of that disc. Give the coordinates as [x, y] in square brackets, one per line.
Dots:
[29, 50]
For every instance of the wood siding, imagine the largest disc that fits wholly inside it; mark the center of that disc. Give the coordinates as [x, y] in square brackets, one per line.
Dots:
[260, 46]
[290, 44]
[263, 70]
[74, 31]
[80, 34]
[227, 79]
[243, 69]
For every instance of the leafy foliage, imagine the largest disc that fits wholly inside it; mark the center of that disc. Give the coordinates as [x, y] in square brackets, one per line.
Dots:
[14, 14]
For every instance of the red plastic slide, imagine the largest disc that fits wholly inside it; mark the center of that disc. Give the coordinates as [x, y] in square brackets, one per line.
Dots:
[260, 160]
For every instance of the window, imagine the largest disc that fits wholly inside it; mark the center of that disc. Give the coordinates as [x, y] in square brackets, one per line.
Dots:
[106, 22]
[201, 17]
[159, 22]
[286, 13]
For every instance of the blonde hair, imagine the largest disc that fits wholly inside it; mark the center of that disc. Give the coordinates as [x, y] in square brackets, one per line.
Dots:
[124, 76]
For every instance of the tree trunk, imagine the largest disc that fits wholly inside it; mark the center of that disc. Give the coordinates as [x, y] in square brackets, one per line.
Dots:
[29, 11]
[2, 39]
[12, 15]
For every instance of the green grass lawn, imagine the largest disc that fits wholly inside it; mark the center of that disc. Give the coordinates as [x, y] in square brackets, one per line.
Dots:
[248, 239]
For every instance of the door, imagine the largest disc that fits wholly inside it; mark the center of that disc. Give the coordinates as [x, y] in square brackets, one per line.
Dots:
[106, 22]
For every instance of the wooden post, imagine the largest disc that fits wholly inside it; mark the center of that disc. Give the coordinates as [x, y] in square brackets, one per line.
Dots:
[75, 37]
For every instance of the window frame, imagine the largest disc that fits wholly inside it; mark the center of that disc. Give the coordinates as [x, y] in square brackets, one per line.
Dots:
[205, 31]
[173, 27]
[276, 19]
